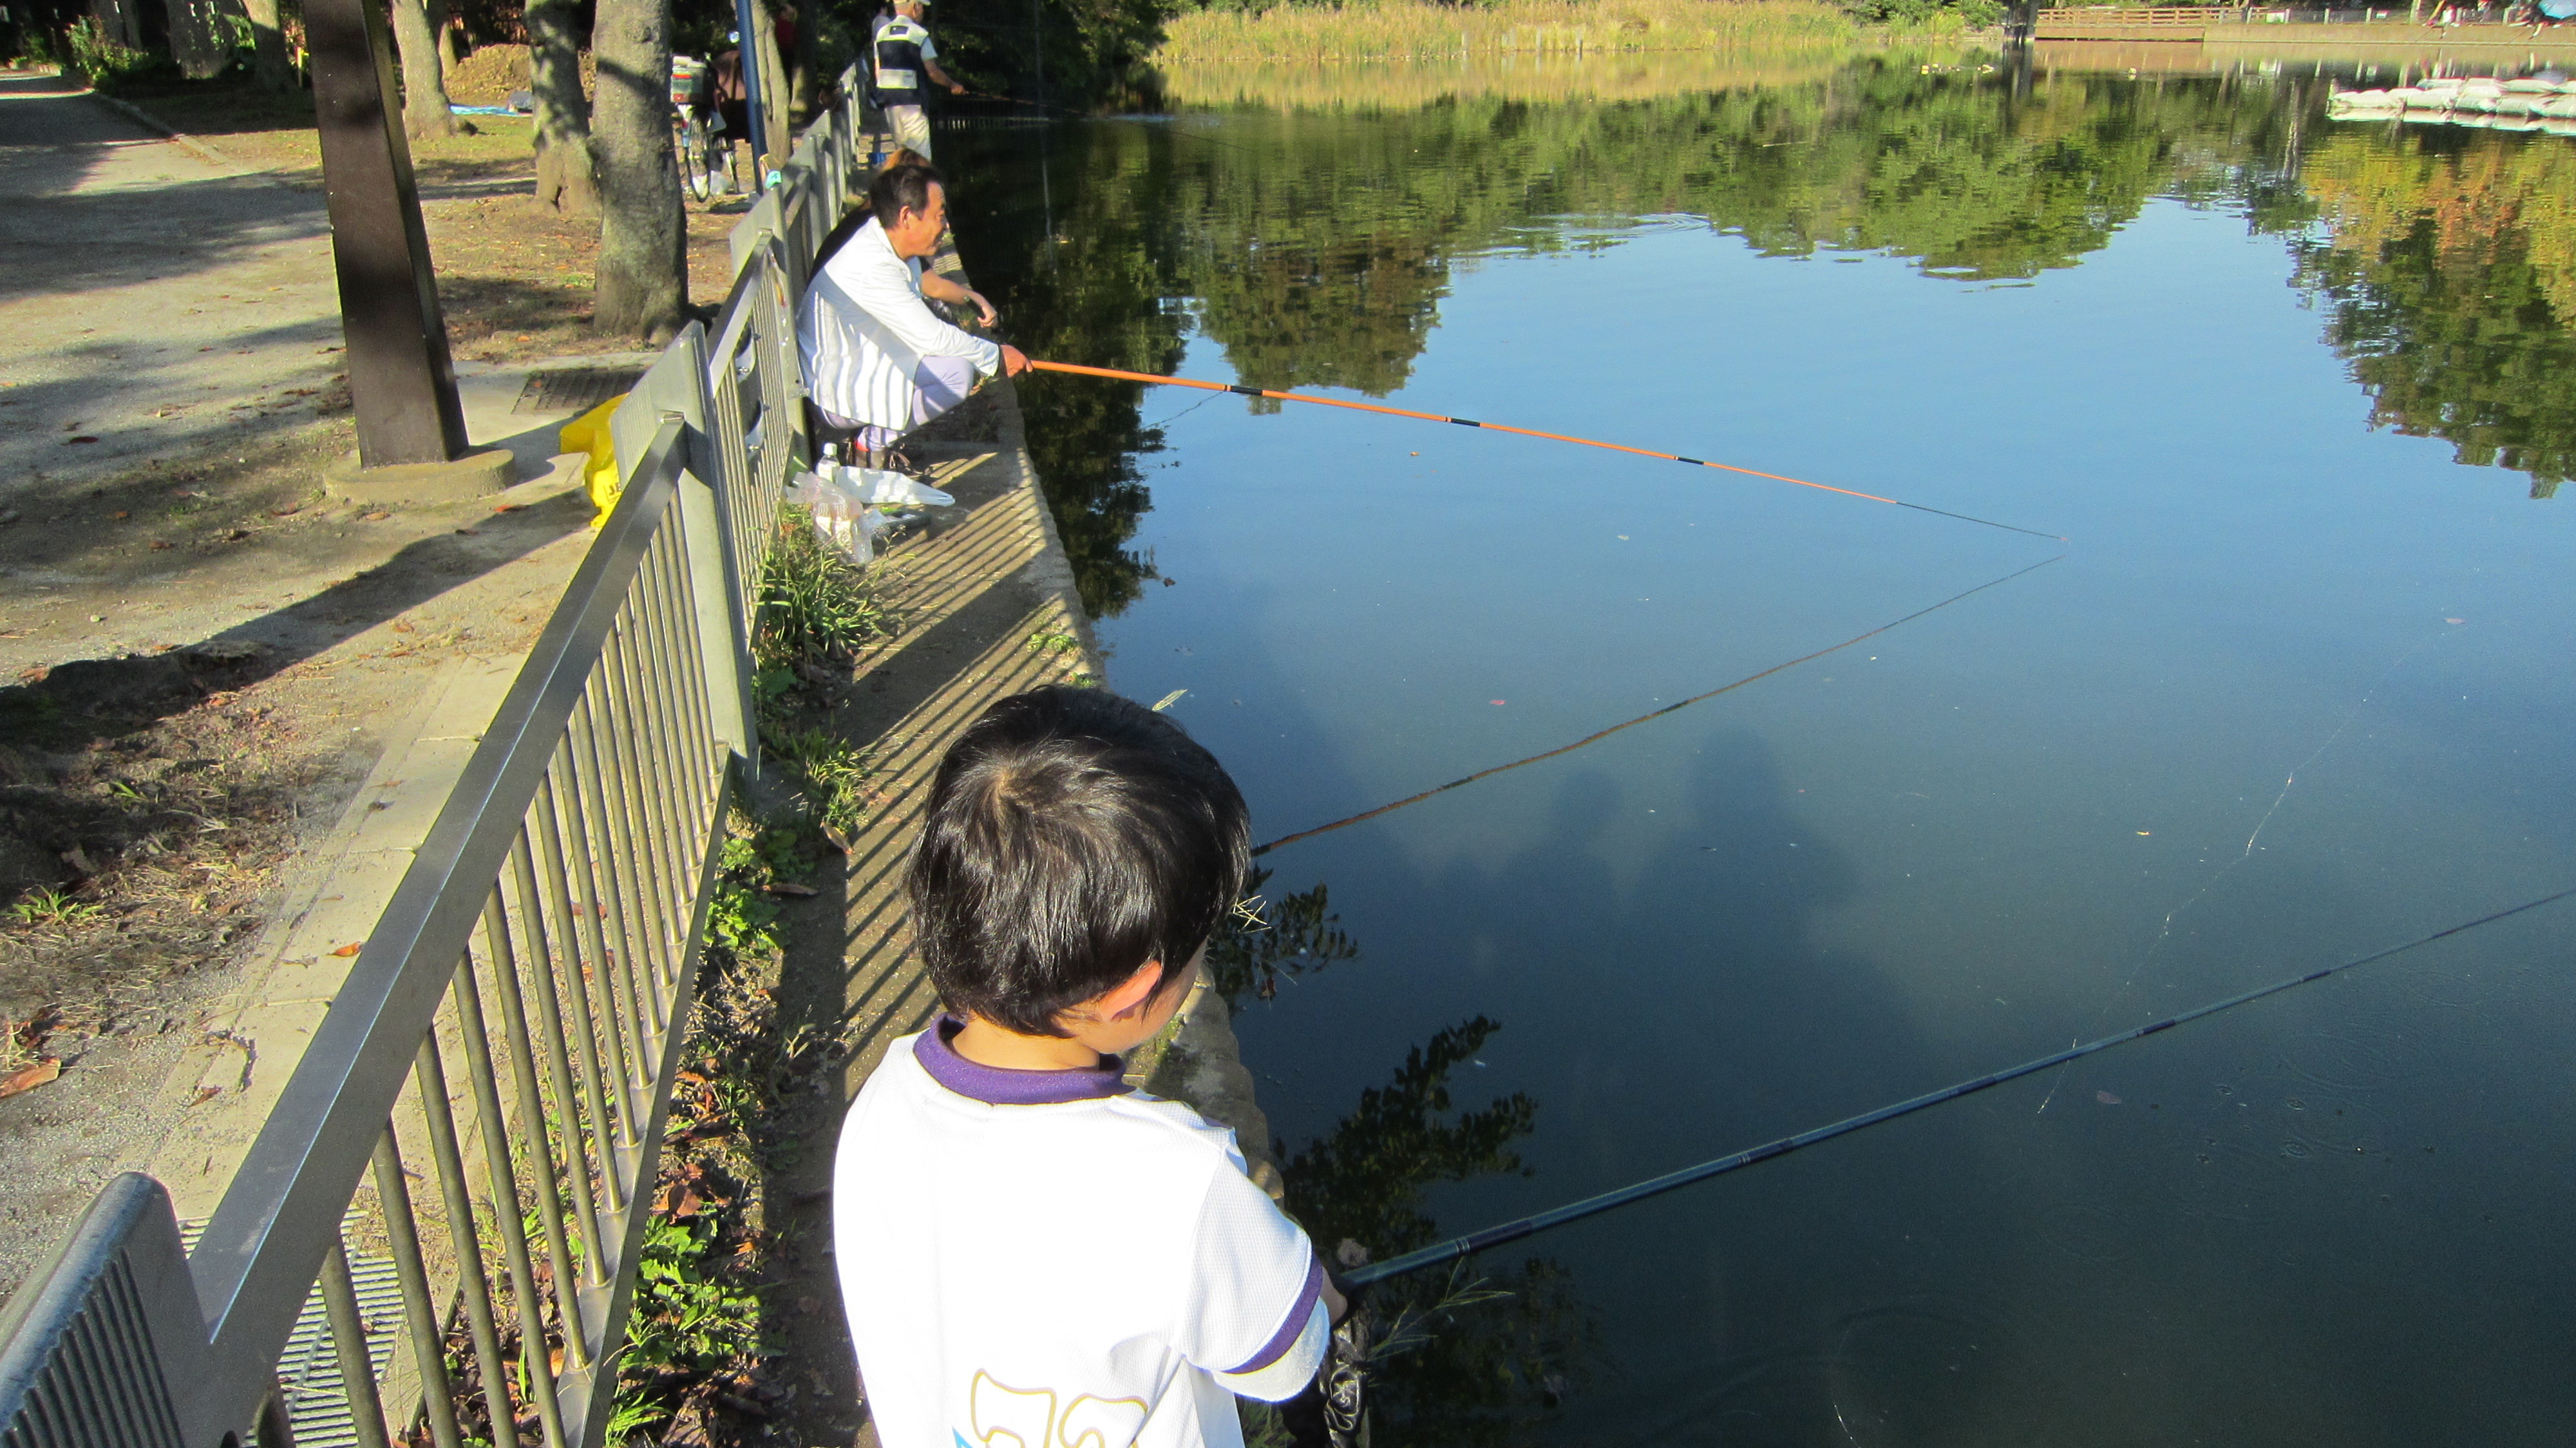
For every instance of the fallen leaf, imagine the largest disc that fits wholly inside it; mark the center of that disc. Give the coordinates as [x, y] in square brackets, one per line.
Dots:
[120, 515]
[505, 507]
[377, 516]
[350, 949]
[158, 546]
[467, 533]
[2106, 1098]
[84, 437]
[783, 887]
[29, 1078]
[286, 512]
[401, 627]
[205, 1094]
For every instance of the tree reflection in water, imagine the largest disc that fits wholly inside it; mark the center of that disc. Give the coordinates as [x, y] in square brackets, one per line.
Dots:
[1315, 243]
[1469, 1355]
[2449, 261]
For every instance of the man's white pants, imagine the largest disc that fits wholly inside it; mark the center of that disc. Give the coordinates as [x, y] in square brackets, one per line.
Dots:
[911, 128]
[938, 384]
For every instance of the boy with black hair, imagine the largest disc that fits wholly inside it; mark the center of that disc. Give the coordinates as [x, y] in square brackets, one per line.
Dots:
[1029, 1252]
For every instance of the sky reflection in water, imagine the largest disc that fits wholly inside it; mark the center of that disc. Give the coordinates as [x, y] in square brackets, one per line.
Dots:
[2298, 393]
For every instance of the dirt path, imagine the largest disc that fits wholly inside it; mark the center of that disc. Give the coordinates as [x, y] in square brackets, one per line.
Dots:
[202, 657]
[151, 303]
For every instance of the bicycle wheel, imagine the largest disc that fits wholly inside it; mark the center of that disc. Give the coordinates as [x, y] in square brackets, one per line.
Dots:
[689, 140]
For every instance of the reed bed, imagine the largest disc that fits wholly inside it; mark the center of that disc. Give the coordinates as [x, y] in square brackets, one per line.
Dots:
[1542, 78]
[1412, 30]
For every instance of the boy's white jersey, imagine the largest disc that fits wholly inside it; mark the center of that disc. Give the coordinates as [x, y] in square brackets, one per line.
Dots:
[1045, 1259]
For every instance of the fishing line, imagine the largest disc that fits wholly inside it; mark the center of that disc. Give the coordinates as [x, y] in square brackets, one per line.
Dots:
[1598, 736]
[1184, 412]
[1239, 390]
[2164, 932]
[1655, 1186]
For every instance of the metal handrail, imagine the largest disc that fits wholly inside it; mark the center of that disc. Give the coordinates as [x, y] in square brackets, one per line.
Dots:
[545, 936]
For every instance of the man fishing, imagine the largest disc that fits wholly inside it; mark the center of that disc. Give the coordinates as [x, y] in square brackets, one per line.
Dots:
[904, 55]
[876, 359]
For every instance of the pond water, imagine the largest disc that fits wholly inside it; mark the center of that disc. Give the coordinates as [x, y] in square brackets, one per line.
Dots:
[2295, 689]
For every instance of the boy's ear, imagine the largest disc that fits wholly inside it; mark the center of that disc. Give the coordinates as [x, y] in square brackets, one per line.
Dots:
[1131, 993]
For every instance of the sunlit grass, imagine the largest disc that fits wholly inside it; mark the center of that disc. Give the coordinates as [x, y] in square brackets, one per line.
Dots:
[1413, 30]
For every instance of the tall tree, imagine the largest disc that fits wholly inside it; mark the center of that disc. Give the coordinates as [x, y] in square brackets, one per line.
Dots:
[643, 235]
[269, 65]
[567, 171]
[426, 109]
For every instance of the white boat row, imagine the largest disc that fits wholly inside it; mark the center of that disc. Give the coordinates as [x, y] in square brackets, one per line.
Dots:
[2504, 105]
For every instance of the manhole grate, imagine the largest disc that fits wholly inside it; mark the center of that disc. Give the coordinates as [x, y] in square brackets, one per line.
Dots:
[574, 389]
[308, 1371]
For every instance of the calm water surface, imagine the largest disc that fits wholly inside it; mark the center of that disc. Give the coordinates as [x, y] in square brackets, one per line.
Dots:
[2296, 689]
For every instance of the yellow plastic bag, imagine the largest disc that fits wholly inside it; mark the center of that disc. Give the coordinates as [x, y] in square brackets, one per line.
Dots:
[588, 433]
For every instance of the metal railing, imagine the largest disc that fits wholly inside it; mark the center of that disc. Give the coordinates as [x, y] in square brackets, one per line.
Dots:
[477, 1120]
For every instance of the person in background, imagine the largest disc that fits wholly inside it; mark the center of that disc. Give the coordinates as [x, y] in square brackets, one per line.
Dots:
[905, 57]
[877, 362]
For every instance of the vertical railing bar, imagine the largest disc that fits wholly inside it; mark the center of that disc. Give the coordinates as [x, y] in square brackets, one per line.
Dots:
[690, 709]
[420, 1317]
[431, 1081]
[685, 693]
[643, 958]
[670, 742]
[599, 975]
[523, 1079]
[349, 1345]
[674, 736]
[648, 972]
[651, 864]
[502, 1183]
[682, 734]
[544, 979]
[604, 879]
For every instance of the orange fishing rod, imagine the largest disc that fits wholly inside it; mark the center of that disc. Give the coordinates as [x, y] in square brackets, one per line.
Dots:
[1161, 381]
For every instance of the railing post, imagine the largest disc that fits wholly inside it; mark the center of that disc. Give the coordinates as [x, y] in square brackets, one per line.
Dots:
[676, 389]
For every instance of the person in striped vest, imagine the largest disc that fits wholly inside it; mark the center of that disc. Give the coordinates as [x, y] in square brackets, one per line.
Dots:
[905, 58]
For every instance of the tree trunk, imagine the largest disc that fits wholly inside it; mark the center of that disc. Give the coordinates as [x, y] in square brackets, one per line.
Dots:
[452, 45]
[643, 238]
[567, 172]
[269, 65]
[807, 63]
[425, 106]
[777, 119]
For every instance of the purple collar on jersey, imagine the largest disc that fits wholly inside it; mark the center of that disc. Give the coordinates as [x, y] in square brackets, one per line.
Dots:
[1004, 1086]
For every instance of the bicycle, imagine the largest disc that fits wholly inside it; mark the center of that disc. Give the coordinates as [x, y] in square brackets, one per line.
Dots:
[705, 151]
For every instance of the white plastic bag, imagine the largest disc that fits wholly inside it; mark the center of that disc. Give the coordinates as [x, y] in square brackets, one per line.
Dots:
[884, 488]
[842, 516]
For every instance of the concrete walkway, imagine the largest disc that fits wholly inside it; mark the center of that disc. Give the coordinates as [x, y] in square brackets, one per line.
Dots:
[149, 299]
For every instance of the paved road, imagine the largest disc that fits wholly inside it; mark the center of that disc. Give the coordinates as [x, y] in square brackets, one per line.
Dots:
[148, 298]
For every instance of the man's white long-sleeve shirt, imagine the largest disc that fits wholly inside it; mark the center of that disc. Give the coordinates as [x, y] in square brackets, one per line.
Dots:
[864, 329]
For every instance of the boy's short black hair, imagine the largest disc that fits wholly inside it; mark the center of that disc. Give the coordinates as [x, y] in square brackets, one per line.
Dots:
[903, 186]
[1071, 836]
